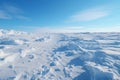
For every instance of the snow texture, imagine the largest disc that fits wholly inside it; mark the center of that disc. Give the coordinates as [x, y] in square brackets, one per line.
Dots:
[59, 56]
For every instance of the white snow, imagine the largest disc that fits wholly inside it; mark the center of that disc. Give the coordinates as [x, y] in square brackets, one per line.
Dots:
[59, 56]
[113, 52]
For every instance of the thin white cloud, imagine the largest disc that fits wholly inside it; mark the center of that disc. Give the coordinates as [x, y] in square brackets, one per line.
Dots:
[89, 15]
[22, 17]
[3, 15]
[12, 9]
[12, 12]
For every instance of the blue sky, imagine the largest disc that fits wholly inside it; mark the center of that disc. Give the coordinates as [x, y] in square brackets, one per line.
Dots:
[60, 15]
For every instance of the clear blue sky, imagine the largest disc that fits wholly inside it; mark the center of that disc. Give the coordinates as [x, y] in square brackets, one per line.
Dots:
[83, 15]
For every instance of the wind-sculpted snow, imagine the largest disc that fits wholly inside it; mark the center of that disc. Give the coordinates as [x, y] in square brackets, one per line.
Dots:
[59, 56]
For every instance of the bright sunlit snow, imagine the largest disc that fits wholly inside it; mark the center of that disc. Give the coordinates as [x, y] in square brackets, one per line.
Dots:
[59, 56]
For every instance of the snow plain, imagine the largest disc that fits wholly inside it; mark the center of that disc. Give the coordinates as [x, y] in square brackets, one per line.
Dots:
[59, 56]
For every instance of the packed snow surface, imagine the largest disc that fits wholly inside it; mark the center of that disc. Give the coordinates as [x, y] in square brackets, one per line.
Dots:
[59, 56]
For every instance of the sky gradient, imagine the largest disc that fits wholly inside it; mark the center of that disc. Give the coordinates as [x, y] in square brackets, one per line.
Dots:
[60, 15]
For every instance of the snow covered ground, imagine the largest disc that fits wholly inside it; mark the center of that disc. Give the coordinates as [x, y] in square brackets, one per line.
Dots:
[59, 56]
